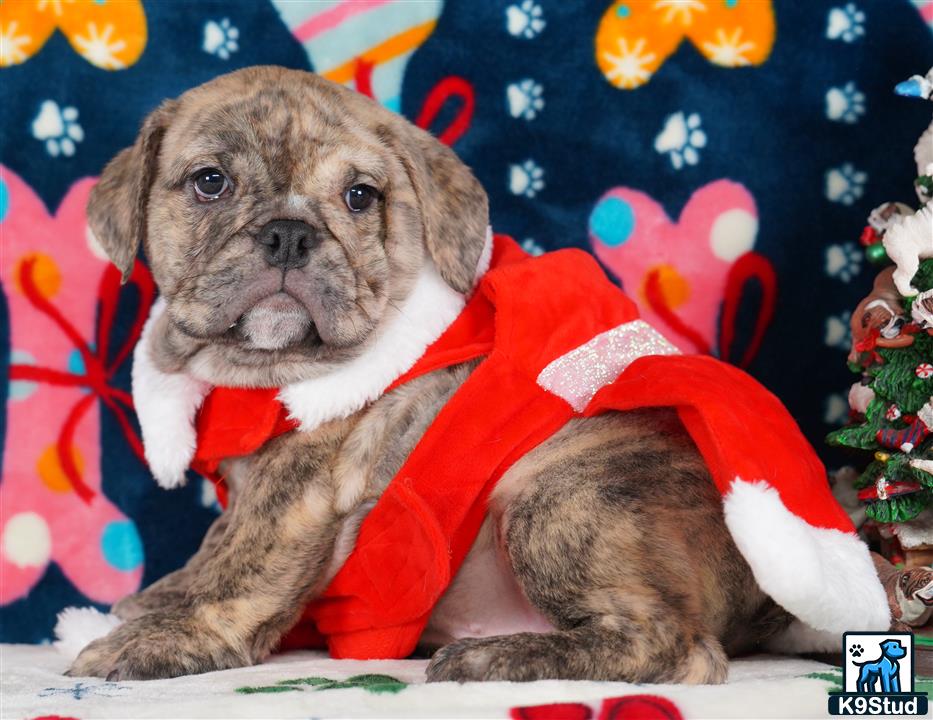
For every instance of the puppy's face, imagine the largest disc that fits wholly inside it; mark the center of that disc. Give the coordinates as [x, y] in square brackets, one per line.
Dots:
[284, 217]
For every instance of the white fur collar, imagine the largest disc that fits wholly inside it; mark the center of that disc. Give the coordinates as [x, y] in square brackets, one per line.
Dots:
[167, 404]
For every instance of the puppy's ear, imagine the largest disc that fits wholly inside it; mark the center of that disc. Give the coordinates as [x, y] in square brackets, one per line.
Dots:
[454, 206]
[116, 210]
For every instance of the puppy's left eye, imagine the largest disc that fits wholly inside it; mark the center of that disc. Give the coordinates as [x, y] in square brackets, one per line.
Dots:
[210, 184]
[360, 197]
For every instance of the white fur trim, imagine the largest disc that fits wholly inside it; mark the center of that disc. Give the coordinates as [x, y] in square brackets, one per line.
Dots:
[485, 258]
[77, 627]
[429, 309]
[577, 375]
[822, 576]
[166, 404]
[425, 314]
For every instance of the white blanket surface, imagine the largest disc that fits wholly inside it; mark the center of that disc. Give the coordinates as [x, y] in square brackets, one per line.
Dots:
[310, 685]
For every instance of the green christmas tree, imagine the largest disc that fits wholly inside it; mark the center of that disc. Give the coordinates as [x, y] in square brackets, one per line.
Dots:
[895, 486]
[895, 355]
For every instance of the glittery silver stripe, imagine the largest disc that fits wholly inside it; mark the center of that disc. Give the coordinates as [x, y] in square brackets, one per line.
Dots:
[578, 375]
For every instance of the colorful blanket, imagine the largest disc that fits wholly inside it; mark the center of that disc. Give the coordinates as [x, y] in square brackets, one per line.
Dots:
[299, 685]
[718, 157]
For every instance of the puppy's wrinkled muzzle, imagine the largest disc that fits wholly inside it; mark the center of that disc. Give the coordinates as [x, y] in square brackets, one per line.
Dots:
[276, 322]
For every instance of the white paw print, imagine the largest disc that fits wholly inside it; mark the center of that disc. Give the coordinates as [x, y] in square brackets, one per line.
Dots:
[838, 332]
[845, 104]
[209, 496]
[845, 184]
[525, 19]
[532, 247]
[525, 99]
[220, 38]
[845, 23]
[58, 128]
[681, 139]
[843, 261]
[526, 179]
[835, 409]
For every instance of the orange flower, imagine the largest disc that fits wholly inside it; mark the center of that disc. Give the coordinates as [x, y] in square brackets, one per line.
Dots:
[635, 37]
[110, 35]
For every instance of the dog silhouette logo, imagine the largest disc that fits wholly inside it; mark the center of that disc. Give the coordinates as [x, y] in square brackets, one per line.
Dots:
[882, 675]
[878, 676]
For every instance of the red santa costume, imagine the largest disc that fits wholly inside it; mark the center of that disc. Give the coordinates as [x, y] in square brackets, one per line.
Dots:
[557, 340]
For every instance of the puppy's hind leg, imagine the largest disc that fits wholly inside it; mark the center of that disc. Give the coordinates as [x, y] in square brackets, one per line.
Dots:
[639, 587]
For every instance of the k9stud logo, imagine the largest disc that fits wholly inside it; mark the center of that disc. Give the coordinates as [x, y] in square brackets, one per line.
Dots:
[878, 676]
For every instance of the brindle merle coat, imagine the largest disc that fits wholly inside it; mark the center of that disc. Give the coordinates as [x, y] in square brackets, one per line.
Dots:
[604, 554]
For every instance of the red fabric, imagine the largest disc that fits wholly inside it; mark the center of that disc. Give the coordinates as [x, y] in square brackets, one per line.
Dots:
[234, 422]
[639, 707]
[552, 711]
[525, 313]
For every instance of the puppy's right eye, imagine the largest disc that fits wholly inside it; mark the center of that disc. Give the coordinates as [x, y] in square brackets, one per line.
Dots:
[210, 184]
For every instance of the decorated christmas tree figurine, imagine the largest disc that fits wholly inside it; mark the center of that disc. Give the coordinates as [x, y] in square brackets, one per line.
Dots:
[892, 349]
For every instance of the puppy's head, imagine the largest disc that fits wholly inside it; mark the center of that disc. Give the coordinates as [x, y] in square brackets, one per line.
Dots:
[283, 217]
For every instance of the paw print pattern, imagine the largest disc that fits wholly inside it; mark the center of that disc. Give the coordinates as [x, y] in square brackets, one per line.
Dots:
[532, 247]
[845, 104]
[525, 20]
[843, 261]
[845, 184]
[845, 23]
[680, 139]
[58, 128]
[835, 409]
[838, 333]
[856, 650]
[525, 99]
[209, 496]
[526, 179]
[220, 38]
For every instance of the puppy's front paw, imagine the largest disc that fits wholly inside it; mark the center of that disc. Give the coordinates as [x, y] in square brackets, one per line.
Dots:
[504, 657]
[158, 645]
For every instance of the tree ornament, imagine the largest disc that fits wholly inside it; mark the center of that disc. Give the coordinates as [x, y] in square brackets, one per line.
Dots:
[924, 371]
[924, 187]
[921, 310]
[905, 439]
[918, 86]
[889, 502]
[893, 413]
[908, 242]
[869, 236]
[876, 254]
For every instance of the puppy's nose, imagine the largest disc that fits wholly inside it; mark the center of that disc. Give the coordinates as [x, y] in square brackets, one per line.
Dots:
[286, 243]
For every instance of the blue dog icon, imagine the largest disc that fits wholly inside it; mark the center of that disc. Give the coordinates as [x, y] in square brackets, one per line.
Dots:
[885, 669]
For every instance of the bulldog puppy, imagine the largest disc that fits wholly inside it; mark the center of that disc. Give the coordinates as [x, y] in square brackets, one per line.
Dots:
[285, 220]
